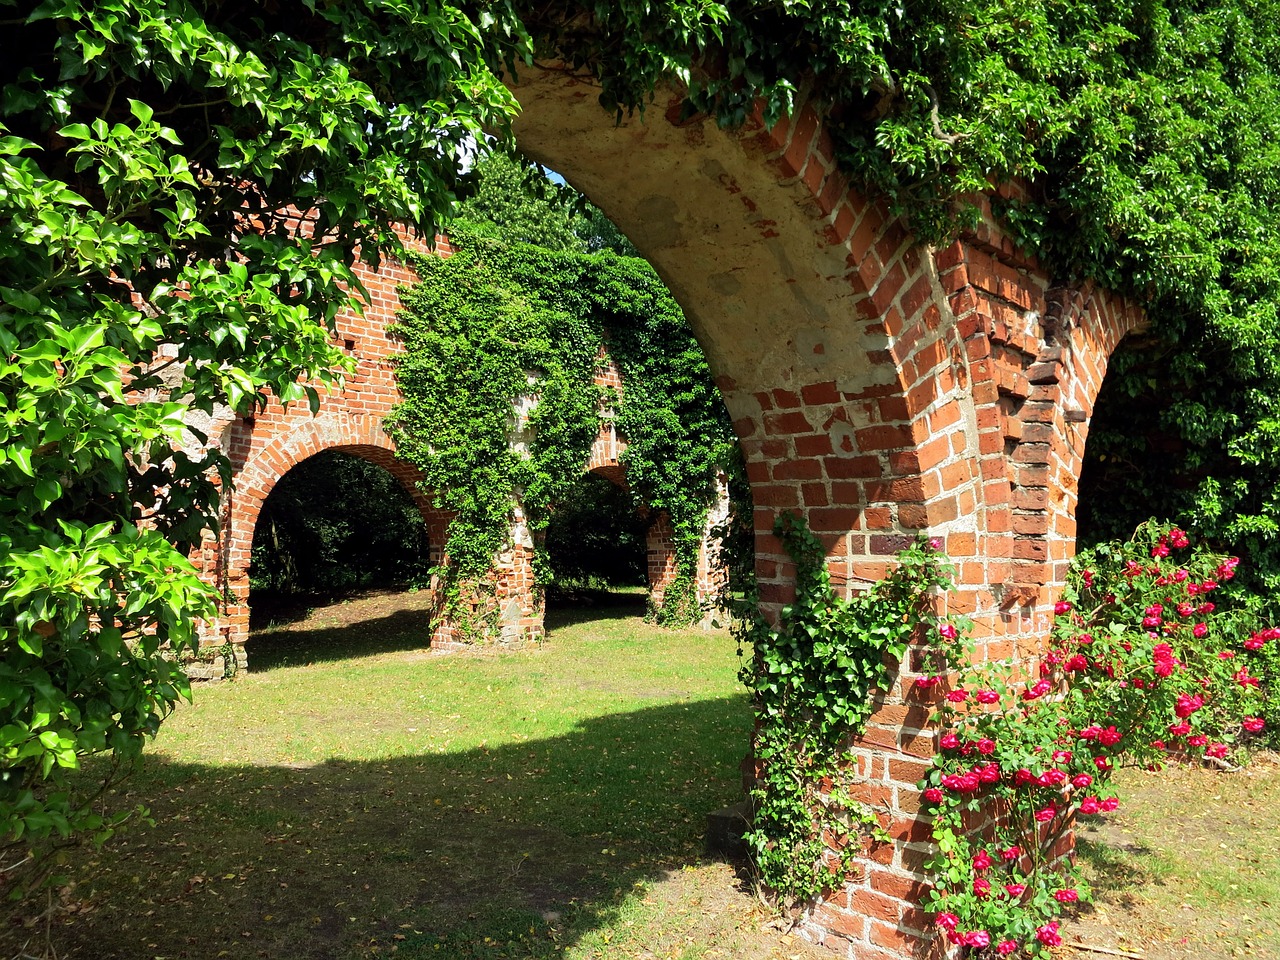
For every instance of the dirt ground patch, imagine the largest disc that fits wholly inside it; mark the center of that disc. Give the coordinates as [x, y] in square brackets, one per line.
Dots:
[1188, 868]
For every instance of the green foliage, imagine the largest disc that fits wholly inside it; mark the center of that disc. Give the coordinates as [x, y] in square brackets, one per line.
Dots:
[813, 679]
[597, 536]
[498, 326]
[1149, 136]
[524, 205]
[336, 522]
[142, 140]
[1145, 661]
[154, 155]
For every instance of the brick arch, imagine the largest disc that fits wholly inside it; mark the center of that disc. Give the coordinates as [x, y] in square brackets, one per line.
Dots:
[825, 323]
[881, 388]
[264, 466]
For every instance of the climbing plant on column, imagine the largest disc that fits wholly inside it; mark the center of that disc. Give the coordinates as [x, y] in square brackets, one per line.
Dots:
[813, 679]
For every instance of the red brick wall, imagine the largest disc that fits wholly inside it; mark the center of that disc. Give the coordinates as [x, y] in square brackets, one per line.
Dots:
[973, 432]
[263, 448]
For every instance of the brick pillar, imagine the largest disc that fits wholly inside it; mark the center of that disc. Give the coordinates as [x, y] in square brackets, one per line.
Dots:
[506, 605]
[710, 574]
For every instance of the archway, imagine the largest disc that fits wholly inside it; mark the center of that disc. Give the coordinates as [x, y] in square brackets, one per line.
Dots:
[595, 545]
[263, 466]
[333, 524]
[881, 389]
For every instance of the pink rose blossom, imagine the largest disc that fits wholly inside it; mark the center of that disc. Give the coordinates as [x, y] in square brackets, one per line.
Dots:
[1048, 934]
[1081, 780]
[1062, 606]
[1242, 677]
[933, 795]
[986, 747]
[981, 887]
[924, 683]
[949, 741]
[1010, 853]
[977, 938]
[1089, 805]
[1039, 689]
[1187, 705]
[1200, 630]
[957, 696]
[1109, 804]
[947, 921]
[1051, 778]
[1045, 814]
[1253, 724]
[948, 631]
[981, 860]
[1006, 947]
[1199, 740]
[1014, 890]
[1179, 729]
[1066, 895]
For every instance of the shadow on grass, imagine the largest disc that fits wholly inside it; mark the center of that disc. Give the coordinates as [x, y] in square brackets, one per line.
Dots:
[396, 632]
[592, 606]
[516, 851]
[408, 629]
[1115, 868]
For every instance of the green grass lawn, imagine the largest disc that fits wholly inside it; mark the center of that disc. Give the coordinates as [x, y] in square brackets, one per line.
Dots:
[354, 796]
[1189, 867]
[363, 797]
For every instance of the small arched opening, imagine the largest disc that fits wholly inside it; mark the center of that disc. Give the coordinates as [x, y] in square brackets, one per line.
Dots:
[333, 524]
[596, 548]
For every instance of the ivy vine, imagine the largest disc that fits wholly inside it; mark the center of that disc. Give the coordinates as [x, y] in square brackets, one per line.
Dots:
[813, 680]
[500, 326]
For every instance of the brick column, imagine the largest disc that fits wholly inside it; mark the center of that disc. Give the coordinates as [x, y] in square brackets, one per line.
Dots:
[506, 605]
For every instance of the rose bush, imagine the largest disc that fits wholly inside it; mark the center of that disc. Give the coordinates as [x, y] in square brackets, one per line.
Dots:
[1143, 664]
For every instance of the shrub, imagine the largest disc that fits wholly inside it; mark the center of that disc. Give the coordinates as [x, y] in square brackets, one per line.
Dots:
[1143, 664]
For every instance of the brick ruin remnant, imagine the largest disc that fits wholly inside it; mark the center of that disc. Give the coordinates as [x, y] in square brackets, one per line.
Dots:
[880, 388]
[264, 447]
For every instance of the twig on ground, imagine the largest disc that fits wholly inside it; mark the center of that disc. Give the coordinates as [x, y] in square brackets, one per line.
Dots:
[1107, 950]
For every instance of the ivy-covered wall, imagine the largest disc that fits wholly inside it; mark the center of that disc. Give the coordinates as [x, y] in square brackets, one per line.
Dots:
[502, 346]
